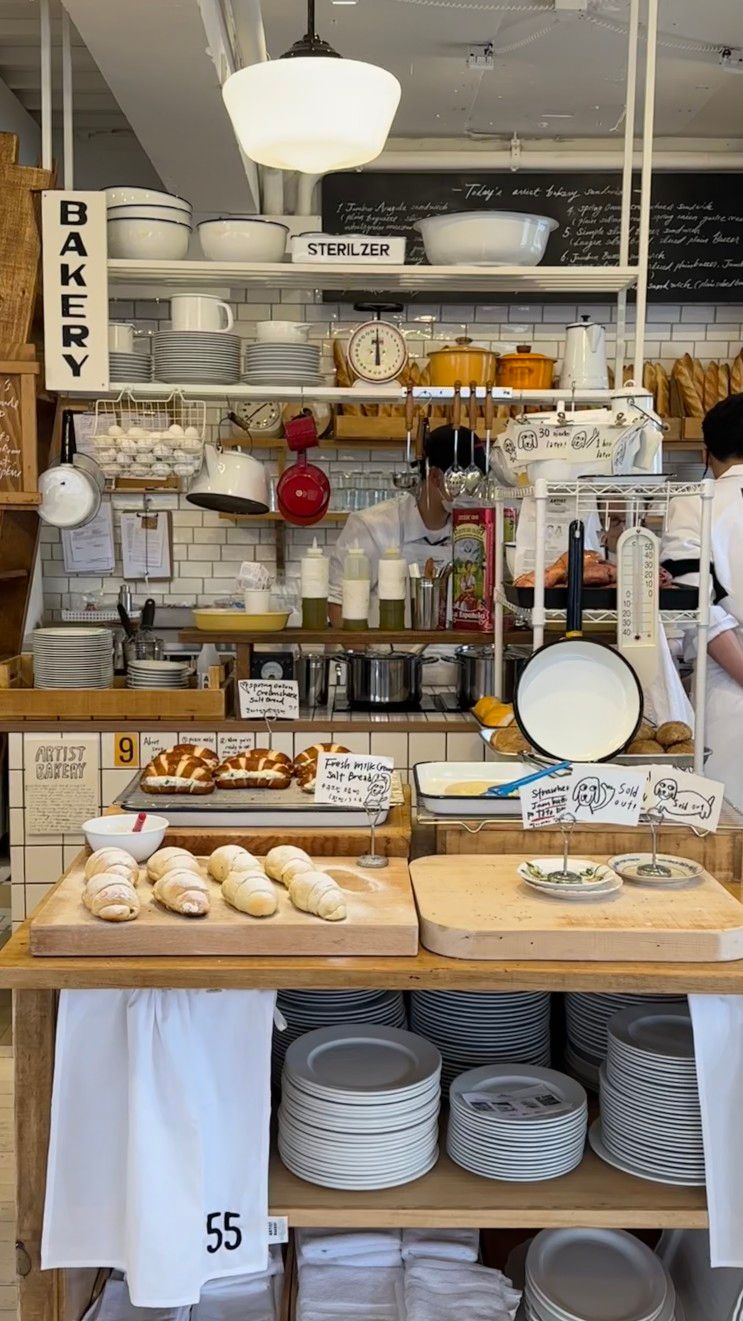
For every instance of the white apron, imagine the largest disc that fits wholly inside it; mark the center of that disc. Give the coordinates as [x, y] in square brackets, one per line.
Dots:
[158, 1151]
[724, 722]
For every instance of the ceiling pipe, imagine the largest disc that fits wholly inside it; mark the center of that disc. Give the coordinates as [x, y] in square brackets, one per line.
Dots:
[45, 40]
[68, 149]
[218, 19]
[251, 38]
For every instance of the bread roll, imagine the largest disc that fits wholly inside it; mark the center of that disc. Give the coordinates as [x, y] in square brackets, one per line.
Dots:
[225, 858]
[111, 896]
[310, 756]
[259, 769]
[166, 859]
[284, 862]
[685, 748]
[197, 751]
[112, 860]
[171, 774]
[510, 739]
[250, 891]
[185, 892]
[673, 731]
[644, 747]
[644, 730]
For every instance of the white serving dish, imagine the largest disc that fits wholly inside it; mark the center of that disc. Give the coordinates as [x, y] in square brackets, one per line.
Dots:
[242, 238]
[485, 238]
[115, 832]
[123, 195]
[281, 332]
[145, 211]
[141, 239]
[433, 777]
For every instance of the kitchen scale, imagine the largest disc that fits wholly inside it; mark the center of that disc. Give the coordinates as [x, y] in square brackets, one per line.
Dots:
[638, 570]
[377, 352]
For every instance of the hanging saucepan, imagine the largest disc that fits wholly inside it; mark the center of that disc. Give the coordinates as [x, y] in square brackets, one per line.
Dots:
[71, 491]
[577, 699]
[303, 489]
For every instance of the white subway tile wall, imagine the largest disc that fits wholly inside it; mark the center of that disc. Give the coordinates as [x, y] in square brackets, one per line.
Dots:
[207, 550]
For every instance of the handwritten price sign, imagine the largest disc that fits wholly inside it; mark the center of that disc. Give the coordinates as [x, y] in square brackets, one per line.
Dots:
[353, 780]
[681, 798]
[268, 699]
[604, 795]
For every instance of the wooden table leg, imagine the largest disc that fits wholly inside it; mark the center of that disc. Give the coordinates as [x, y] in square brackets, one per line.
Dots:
[33, 1045]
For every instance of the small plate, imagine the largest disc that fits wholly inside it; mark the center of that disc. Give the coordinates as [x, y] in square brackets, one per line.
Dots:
[540, 872]
[627, 865]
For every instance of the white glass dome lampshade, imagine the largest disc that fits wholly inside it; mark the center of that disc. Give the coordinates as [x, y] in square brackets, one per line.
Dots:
[311, 110]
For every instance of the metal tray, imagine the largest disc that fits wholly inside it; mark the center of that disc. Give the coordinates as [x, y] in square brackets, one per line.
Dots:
[249, 807]
[682, 761]
[431, 776]
[600, 598]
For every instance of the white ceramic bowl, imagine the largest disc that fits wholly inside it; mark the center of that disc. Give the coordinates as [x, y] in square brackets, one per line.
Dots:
[115, 832]
[485, 238]
[145, 211]
[141, 239]
[123, 195]
[242, 238]
[281, 332]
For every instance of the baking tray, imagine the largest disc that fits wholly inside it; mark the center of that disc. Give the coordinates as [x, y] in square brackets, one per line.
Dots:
[600, 598]
[249, 807]
[431, 778]
[682, 761]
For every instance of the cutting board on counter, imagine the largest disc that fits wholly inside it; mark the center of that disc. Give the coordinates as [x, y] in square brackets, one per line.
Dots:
[381, 920]
[479, 908]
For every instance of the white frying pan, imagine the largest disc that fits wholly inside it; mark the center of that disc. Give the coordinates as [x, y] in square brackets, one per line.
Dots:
[577, 699]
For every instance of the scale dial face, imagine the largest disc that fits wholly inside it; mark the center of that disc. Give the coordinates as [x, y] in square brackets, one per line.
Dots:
[377, 351]
[262, 418]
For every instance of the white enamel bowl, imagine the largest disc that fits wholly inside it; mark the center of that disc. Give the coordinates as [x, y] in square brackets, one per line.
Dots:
[116, 832]
[141, 238]
[485, 238]
[242, 238]
[123, 195]
[144, 211]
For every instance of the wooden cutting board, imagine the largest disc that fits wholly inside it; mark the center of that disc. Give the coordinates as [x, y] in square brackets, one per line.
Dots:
[381, 920]
[479, 908]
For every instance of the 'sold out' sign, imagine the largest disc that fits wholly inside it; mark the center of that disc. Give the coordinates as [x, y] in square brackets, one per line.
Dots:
[75, 291]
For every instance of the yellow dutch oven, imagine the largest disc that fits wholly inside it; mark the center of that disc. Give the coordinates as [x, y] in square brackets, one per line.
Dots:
[462, 361]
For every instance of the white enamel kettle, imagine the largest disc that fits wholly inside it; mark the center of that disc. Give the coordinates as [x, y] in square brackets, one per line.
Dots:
[584, 363]
[230, 482]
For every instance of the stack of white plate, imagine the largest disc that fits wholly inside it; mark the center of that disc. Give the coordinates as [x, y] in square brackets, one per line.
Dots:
[587, 1015]
[306, 1010]
[134, 367]
[595, 1275]
[157, 674]
[472, 1028]
[282, 364]
[516, 1122]
[360, 1107]
[650, 1121]
[200, 357]
[73, 658]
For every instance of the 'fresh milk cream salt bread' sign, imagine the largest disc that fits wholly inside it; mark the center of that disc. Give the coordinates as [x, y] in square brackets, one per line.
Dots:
[75, 291]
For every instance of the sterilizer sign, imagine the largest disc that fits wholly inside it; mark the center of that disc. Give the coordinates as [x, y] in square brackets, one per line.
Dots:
[75, 291]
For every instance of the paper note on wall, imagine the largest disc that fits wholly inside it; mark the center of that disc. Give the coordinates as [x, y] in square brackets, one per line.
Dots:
[591, 792]
[61, 783]
[684, 799]
[268, 699]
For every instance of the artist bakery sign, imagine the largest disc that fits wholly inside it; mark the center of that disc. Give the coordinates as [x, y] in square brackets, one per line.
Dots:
[75, 291]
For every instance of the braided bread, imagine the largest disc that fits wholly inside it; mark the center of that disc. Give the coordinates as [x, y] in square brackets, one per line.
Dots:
[196, 750]
[184, 892]
[259, 769]
[111, 896]
[112, 860]
[170, 859]
[169, 774]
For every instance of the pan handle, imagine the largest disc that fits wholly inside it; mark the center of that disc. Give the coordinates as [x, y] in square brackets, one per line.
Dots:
[574, 617]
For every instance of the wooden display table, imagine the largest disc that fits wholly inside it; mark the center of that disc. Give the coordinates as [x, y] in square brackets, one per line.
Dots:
[720, 854]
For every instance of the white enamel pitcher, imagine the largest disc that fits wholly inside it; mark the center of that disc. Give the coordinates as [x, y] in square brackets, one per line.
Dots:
[584, 363]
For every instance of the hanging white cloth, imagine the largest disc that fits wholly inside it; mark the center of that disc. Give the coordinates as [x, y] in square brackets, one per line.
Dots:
[717, 1021]
[158, 1151]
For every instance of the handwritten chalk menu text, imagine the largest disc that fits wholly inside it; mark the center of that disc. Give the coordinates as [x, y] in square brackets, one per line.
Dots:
[696, 231]
[60, 783]
[268, 699]
[75, 290]
[354, 780]
[18, 451]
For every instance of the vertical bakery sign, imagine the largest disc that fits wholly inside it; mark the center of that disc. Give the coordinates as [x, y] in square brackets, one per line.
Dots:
[61, 782]
[75, 291]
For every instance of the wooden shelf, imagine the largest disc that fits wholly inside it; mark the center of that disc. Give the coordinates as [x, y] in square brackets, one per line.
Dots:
[334, 516]
[593, 1195]
[374, 277]
[336, 637]
[6, 575]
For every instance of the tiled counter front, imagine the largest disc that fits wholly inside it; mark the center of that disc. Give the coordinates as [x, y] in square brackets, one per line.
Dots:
[36, 861]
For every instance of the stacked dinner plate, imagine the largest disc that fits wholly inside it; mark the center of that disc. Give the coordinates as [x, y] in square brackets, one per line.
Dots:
[360, 1107]
[587, 1015]
[157, 674]
[282, 364]
[307, 1010]
[595, 1275]
[200, 357]
[73, 658]
[129, 367]
[650, 1121]
[516, 1122]
[471, 1028]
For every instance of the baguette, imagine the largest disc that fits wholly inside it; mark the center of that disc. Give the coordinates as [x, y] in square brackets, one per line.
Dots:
[662, 391]
[649, 379]
[698, 375]
[711, 386]
[736, 375]
[723, 382]
[691, 399]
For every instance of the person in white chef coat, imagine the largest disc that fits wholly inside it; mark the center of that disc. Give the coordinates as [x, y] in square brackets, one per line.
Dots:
[419, 525]
[723, 441]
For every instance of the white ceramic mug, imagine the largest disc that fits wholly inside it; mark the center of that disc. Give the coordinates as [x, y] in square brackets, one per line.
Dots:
[199, 312]
[257, 600]
[121, 336]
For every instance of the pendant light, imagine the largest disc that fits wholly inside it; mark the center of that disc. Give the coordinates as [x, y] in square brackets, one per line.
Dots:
[311, 110]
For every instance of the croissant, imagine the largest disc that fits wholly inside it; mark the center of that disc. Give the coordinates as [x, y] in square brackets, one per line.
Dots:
[111, 896]
[168, 774]
[195, 750]
[286, 861]
[316, 892]
[166, 859]
[309, 756]
[250, 891]
[112, 860]
[184, 892]
[254, 770]
[226, 858]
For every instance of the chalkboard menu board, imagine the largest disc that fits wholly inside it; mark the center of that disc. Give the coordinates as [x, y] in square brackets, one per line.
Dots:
[696, 247]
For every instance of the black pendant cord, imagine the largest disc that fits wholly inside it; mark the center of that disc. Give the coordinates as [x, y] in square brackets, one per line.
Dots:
[310, 44]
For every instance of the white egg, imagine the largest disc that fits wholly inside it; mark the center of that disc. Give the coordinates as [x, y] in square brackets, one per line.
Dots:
[156, 435]
[110, 470]
[115, 430]
[182, 469]
[163, 451]
[175, 429]
[180, 456]
[192, 433]
[136, 432]
[137, 470]
[124, 460]
[160, 470]
[107, 456]
[190, 445]
[128, 446]
[146, 460]
[145, 445]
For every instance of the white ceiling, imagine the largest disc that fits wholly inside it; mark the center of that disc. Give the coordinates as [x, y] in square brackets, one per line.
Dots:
[567, 65]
